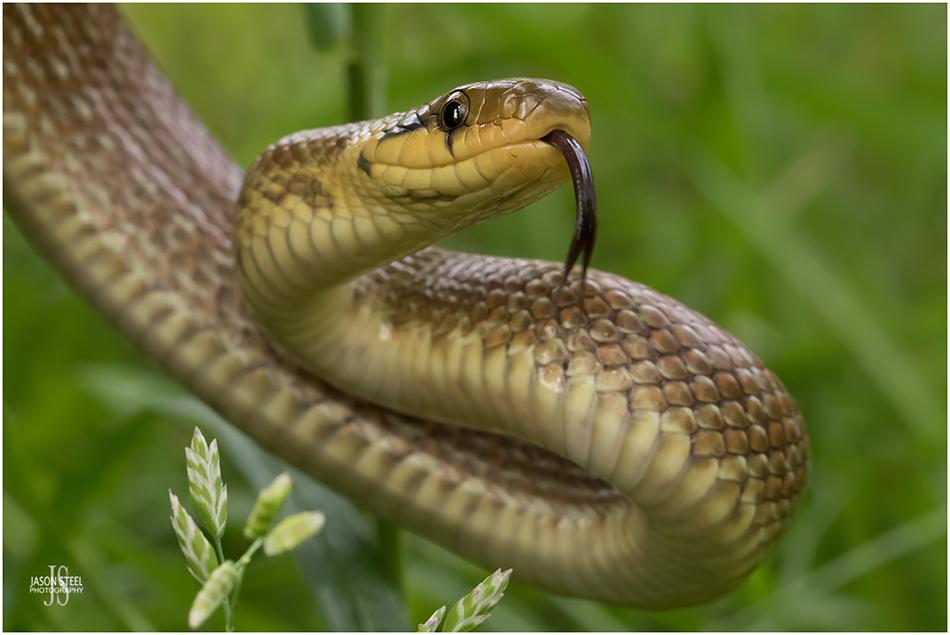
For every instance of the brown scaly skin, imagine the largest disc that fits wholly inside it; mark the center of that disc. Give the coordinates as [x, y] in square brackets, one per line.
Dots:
[688, 455]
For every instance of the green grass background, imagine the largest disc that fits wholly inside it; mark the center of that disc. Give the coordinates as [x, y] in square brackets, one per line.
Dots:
[780, 168]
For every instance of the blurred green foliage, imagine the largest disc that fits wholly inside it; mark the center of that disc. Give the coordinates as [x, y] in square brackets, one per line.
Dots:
[780, 168]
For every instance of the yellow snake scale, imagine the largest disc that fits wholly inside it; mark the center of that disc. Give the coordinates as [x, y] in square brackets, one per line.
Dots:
[613, 445]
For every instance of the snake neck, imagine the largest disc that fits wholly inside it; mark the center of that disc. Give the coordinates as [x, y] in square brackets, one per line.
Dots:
[308, 222]
[317, 241]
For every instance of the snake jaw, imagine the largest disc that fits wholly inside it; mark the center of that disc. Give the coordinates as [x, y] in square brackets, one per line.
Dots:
[585, 226]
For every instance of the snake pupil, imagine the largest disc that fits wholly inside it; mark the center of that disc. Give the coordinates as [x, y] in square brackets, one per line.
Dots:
[453, 114]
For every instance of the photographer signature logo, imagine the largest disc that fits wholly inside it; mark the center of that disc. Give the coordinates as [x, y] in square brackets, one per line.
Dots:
[58, 585]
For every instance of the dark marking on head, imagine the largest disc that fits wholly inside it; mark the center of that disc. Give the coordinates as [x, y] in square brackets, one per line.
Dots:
[448, 142]
[408, 124]
[401, 129]
[363, 164]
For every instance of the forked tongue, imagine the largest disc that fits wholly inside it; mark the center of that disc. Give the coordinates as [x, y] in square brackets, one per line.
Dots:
[585, 227]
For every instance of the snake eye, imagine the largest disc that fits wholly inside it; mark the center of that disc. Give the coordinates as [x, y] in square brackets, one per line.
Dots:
[453, 112]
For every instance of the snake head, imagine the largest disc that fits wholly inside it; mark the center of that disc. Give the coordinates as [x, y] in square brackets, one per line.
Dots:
[475, 152]
[482, 150]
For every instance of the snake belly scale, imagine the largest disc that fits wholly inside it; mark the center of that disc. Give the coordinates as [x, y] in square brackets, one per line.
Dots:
[602, 439]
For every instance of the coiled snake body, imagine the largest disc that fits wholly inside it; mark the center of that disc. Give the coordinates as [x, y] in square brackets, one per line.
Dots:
[603, 440]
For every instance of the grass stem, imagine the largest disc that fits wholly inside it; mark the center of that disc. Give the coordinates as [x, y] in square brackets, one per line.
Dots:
[365, 73]
[226, 606]
[366, 92]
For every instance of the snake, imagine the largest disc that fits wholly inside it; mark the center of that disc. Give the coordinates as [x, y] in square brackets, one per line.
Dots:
[598, 437]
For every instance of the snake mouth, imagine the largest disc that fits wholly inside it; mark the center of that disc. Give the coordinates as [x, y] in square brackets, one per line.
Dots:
[585, 225]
